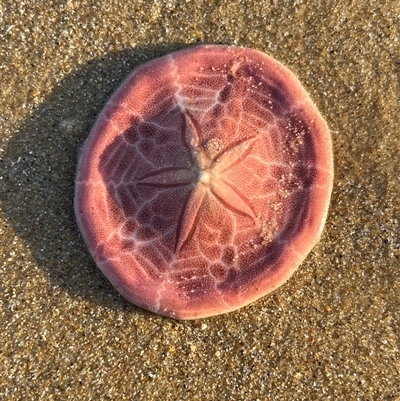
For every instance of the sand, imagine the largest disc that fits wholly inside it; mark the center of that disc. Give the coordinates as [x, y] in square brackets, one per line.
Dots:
[330, 333]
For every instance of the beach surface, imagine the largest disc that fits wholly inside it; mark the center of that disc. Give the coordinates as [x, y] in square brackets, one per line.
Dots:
[332, 332]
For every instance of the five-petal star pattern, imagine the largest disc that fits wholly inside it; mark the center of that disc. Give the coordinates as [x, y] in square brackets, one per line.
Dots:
[207, 177]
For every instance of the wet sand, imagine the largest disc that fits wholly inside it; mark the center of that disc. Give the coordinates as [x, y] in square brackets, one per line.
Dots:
[332, 332]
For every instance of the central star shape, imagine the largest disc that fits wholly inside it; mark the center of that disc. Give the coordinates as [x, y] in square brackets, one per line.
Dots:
[206, 175]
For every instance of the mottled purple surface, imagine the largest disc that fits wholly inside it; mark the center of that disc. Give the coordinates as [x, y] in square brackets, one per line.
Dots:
[205, 181]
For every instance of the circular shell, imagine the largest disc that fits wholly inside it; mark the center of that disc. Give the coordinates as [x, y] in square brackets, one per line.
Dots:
[205, 181]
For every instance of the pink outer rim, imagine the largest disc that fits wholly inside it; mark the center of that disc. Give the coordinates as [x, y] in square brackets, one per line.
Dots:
[295, 253]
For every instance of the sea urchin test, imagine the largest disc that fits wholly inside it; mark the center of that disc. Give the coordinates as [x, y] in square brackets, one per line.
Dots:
[205, 181]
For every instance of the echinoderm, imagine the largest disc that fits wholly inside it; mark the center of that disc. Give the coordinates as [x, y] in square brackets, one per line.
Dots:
[205, 181]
